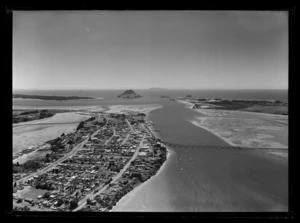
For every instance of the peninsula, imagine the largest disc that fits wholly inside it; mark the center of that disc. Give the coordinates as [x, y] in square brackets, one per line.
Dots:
[90, 169]
[49, 97]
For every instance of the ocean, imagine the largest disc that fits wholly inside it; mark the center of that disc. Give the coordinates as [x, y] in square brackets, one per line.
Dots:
[109, 97]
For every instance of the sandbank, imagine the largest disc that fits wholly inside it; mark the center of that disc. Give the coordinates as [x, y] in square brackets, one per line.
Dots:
[39, 131]
[145, 108]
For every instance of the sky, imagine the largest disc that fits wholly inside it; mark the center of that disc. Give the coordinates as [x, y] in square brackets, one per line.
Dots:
[145, 49]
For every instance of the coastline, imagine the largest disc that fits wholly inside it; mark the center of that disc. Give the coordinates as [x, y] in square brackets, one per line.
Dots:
[187, 104]
[71, 108]
[194, 180]
[246, 129]
[122, 203]
[145, 108]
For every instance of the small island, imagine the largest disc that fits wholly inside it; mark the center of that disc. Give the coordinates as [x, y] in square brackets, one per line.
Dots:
[129, 94]
[49, 97]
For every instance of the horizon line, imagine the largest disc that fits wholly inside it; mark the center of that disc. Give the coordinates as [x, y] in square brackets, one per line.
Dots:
[161, 88]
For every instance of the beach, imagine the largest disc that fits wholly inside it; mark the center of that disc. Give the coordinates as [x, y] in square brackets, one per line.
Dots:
[212, 181]
[146, 191]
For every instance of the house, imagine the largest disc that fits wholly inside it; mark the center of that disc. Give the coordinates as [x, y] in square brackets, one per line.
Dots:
[204, 106]
[142, 153]
[29, 200]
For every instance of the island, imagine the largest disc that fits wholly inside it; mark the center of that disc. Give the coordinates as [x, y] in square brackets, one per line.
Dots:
[49, 97]
[129, 94]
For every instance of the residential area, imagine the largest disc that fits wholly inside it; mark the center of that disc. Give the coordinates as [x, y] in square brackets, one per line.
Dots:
[90, 169]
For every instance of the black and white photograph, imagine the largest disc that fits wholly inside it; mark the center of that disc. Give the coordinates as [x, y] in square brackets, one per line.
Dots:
[150, 111]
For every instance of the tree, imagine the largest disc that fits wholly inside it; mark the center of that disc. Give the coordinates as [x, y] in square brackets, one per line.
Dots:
[81, 124]
[47, 157]
[37, 185]
[73, 204]
[59, 202]
[26, 208]
[15, 184]
[54, 148]
[47, 195]
[88, 201]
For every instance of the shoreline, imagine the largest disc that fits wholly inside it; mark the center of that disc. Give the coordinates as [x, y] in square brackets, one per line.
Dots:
[132, 193]
[127, 198]
[143, 108]
[233, 132]
[70, 108]
[178, 185]
[191, 105]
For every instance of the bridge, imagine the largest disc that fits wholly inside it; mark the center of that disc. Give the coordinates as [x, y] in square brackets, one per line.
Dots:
[208, 147]
[211, 147]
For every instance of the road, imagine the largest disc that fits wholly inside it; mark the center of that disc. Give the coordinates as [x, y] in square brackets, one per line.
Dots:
[54, 164]
[107, 141]
[129, 125]
[149, 131]
[82, 202]
[91, 196]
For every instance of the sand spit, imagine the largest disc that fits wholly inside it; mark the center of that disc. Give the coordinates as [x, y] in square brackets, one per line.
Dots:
[247, 129]
[243, 128]
[71, 108]
[145, 108]
[187, 104]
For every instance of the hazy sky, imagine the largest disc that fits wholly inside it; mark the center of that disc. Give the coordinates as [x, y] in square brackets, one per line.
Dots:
[143, 49]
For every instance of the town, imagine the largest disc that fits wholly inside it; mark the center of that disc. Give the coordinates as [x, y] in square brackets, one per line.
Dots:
[90, 169]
